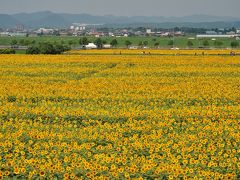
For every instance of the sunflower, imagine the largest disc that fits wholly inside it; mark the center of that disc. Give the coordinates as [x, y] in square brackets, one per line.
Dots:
[7, 173]
[16, 170]
[66, 176]
[42, 173]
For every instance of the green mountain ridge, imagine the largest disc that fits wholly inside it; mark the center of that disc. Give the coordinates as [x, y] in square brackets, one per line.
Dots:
[61, 20]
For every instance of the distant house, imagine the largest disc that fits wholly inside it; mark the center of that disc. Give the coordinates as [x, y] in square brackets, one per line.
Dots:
[90, 46]
[179, 33]
[4, 34]
[18, 34]
[96, 34]
[166, 34]
[231, 33]
[15, 34]
[211, 33]
[148, 31]
[214, 36]
[111, 34]
[133, 47]
[107, 46]
[45, 31]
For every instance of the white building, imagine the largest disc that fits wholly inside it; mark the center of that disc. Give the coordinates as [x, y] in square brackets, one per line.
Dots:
[44, 31]
[148, 31]
[231, 33]
[107, 46]
[3, 34]
[82, 28]
[179, 33]
[214, 36]
[78, 27]
[111, 34]
[133, 47]
[211, 33]
[15, 34]
[165, 34]
[90, 46]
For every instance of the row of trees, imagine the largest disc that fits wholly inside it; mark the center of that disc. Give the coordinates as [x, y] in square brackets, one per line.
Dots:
[27, 42]
[99, 42]
[217, 43]
[7, 51]
[57, 48]
[22, 42]
[47, 48]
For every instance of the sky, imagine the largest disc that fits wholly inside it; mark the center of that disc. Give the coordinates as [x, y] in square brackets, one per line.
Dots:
[126, 7]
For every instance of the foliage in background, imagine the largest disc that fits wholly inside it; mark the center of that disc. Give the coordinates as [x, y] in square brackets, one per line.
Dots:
[47, 48]
[7, 51]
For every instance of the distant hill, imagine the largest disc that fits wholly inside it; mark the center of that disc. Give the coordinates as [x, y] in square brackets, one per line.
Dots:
[7, 21]
[167, 25]
[50, 19]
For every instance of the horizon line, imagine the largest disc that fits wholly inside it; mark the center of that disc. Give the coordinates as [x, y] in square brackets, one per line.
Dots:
[72, 13]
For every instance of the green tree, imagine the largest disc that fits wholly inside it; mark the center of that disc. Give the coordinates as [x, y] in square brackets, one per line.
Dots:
[83, 41]
[206, 43]
[128, 43]
[46, 48]
[7, 51]
[145, 43]
[70, 42]
[170, 42]
[104, 41]
[114, 43]
[27, 42]
[14, 42]
[33, 41]
[156, 44]
[33, 50]
[140, 43]
[218, 43]
[190, 44]
[22, 42]
[99, 43]
[234, 44]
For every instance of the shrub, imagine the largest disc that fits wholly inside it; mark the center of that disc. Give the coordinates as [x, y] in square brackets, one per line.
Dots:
[11, 98]
[190, 44]
[33, 50]
[7, 51]
[234, 44]
[47, 48]
[206, 43]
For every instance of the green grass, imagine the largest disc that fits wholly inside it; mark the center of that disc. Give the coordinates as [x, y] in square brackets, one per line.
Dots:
[180, 42]
[20, 51]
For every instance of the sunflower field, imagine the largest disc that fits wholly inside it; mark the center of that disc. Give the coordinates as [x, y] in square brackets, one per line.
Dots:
[119, 117]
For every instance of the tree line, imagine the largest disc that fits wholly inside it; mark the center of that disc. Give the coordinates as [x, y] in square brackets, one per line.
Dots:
[99, 43]
[47, 48]
[7, 51]
[60, 47]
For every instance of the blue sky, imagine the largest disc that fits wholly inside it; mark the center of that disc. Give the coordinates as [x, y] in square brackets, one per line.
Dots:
[126, 7]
